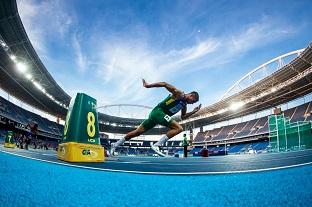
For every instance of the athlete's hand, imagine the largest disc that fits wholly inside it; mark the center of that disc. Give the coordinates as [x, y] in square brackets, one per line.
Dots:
[145, 84]
[197, 107]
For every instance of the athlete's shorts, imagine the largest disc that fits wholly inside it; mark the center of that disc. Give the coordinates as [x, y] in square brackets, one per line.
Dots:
[157, 116]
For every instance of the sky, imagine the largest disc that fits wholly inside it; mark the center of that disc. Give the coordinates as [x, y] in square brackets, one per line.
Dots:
[104, 47]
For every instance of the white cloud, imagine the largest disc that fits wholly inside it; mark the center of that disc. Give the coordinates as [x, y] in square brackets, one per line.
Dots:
[44, 21]
[121, 63]
[232, 46]
[178, 58]
[80, 58]
[259, 34]
[28, 11]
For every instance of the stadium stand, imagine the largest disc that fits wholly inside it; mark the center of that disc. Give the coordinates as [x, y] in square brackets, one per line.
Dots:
[200, 137]
[237, 148]
[299, 113]
[246, 130]
[251, 128]
[224, 132]
[211, 134]
[308, 113]
[239, 127]
[24, 117]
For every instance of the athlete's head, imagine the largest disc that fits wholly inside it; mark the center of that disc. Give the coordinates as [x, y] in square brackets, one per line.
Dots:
[192, 97]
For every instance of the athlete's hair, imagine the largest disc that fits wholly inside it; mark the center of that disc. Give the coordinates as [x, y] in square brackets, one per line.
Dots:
[196, 95]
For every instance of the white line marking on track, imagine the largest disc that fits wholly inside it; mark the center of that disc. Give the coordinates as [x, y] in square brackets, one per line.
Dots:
[161, 173]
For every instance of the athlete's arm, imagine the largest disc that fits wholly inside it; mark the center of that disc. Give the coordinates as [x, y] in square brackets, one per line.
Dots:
[175, 92]
[185, 115]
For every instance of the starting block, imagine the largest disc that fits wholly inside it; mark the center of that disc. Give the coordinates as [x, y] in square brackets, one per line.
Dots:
[81, 141]
[9, 140]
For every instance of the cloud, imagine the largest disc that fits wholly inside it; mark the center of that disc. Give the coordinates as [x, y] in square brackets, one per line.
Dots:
[177, 58]
[259, 34]
[80, 58]
[121, 63]
[28, 11]
[45, 21]
[228, 47]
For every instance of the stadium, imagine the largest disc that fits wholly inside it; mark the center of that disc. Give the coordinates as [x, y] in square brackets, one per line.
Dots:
[252, 146]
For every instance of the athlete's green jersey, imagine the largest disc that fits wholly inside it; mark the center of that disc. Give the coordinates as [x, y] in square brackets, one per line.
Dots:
[162, 113]
[171, 106]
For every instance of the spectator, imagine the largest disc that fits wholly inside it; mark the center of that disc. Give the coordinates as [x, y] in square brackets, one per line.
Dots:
[185, 145]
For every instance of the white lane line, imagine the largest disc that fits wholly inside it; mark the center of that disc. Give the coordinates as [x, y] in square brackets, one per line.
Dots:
[161, 173]
[48, 154]
[209, 162]
[185, 164]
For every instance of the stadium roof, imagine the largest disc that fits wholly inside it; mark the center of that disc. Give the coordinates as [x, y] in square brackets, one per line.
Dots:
[37, 87]
[288, 83]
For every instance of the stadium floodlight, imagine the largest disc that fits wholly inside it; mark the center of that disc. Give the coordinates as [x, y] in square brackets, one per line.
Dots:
[3, 44]
[273, 89]
[28, 76]
[13, 57]
[264, 93]
[50, 96]
[221, 111]
[38, 85]
[21, 67]
[237, 105]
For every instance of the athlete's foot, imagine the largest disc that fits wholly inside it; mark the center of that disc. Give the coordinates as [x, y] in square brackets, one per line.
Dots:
[156, 149]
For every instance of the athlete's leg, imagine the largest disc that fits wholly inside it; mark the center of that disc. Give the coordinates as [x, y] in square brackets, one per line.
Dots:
[145, 126]
[175, 129]
[128, 136]
[137, 132]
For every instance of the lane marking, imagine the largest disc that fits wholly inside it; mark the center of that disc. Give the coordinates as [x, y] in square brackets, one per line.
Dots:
[160, 173]
[187, 164]
[212, 162]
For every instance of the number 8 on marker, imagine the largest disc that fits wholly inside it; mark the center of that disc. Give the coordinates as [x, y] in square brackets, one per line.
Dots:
[91, 126]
